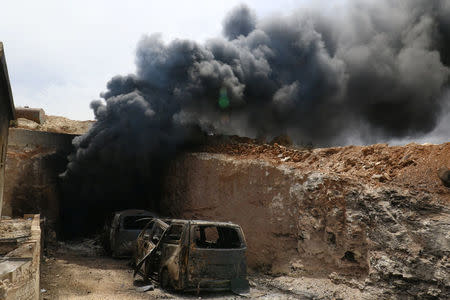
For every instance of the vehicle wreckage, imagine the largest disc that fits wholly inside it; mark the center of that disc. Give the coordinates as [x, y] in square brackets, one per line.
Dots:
[192, 255]
[123, 230]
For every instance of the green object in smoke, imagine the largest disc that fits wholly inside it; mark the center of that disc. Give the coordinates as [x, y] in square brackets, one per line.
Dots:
[224, 102]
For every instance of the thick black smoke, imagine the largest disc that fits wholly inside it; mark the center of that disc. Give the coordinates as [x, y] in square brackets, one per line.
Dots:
[240, 21]
[369, 71]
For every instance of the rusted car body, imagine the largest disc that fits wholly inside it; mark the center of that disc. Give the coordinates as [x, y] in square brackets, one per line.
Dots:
[125, 227]
[198, 255]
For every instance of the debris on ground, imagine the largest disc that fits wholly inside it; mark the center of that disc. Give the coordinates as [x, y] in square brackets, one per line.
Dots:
[69, 274]
[14, 228]
[145, 288]
[85, 246]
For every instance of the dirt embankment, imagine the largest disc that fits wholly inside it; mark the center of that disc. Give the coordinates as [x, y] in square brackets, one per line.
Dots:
[373, 217]
[56, 124]
[410, 166]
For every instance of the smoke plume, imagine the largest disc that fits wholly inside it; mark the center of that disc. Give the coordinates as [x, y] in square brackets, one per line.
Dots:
[368, 71]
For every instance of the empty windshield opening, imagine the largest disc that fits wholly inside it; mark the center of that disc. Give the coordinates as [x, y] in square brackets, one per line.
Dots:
[133, 223]
[217, 237]
[148, 228]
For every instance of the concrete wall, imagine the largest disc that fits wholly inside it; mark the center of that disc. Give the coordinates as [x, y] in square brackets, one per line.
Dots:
[34, 161]
[4, 125]
[42, 139]
[20, 268]
[6, 114]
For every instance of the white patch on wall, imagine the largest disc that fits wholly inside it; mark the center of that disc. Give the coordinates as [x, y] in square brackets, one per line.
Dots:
[277, 207]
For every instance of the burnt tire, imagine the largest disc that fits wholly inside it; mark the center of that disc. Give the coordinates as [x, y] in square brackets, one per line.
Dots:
[164, 280]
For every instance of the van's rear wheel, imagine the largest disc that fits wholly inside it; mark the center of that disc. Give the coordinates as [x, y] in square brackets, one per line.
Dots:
[164, 280]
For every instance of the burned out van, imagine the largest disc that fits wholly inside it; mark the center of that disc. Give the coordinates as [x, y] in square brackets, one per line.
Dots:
[198, 255]
[149, 237]
[124, 229]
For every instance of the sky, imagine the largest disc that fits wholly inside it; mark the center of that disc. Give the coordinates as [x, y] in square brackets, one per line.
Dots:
[60, 54]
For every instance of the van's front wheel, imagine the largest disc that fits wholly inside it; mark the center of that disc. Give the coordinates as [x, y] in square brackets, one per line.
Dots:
[164, 280]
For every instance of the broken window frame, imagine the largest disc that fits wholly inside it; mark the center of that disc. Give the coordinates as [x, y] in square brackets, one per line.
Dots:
[136, 221]
[239, 243]
[167, 234]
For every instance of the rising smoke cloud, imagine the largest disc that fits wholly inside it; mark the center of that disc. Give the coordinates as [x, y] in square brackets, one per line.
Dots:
[370, 71]
[380, 65]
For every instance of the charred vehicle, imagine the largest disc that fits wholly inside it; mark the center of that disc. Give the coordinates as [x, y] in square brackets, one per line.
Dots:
[149, 237]
[125, 227]
[198, 255]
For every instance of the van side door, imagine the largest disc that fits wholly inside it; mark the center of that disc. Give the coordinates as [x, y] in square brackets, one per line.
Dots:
[170, 249]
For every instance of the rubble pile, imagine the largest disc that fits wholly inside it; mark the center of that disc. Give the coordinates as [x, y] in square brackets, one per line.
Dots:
[14, 228]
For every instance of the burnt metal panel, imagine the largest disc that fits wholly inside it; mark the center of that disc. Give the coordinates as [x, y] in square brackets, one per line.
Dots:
[194, 266]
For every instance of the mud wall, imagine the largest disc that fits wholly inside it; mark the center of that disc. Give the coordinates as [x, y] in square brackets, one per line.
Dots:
[302, 222]
[34, 161]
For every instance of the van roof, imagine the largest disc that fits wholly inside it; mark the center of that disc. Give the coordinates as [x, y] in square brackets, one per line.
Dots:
[202, 222]
[136, 212]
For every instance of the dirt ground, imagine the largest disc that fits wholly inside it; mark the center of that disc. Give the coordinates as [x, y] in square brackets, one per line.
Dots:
[79, 270]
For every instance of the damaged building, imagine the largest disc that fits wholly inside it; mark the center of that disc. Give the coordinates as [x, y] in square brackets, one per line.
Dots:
[6, 115]
[20, 238]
